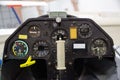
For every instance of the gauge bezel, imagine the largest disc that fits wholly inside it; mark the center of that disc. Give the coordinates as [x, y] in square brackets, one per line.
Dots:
[27, 48]
[34, 52]
[37, 26]
[90, 31]
[93, 40]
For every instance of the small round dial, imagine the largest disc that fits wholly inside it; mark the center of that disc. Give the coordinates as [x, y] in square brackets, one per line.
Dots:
[85, 31]
[59, 34]
[98, 47]
[41, 48]
[34, 31]
[20, 48]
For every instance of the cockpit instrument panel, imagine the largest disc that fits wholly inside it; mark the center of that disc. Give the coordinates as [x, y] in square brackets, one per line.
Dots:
[37, 37]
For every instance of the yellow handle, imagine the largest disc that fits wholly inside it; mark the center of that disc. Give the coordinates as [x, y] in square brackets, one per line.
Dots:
[28, 62]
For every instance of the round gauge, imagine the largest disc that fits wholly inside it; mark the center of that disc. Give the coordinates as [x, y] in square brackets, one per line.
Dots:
[20, 48]
[59, 34]
[85, 31]
[34, 31]
[41, 48]
[98, 47]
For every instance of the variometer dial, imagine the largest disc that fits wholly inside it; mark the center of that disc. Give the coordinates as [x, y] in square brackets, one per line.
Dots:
[34, 31]
[41, 48]
[59, 34]
[20, 48]
[98, 47]
[85, 31]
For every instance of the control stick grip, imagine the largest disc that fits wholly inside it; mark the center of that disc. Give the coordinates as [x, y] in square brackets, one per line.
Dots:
[61, 55]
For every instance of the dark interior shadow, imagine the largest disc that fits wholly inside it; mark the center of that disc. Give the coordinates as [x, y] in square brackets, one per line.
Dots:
[95, 69]
[34, 72]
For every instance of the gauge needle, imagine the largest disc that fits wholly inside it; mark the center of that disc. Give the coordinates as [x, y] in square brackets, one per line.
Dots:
[97, 49]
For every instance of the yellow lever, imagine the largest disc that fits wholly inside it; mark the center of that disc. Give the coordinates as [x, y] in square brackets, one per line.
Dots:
[28, 63]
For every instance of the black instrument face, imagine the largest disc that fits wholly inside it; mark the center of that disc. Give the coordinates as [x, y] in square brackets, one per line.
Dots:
[99, 47]
[85, 30]
[20, 48]
[34, 31]
[59, 34]
[41, 48]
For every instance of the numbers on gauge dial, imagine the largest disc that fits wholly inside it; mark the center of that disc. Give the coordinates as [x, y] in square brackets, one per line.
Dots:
[41, 48]
[59, 34]
[85, 30]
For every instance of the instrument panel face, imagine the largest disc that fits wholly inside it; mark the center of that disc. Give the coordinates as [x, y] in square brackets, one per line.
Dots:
[99, 47]
[41, 49]
[20, 48]
[85, 30]
[83, 39]
[34, 31]
[59, 33]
